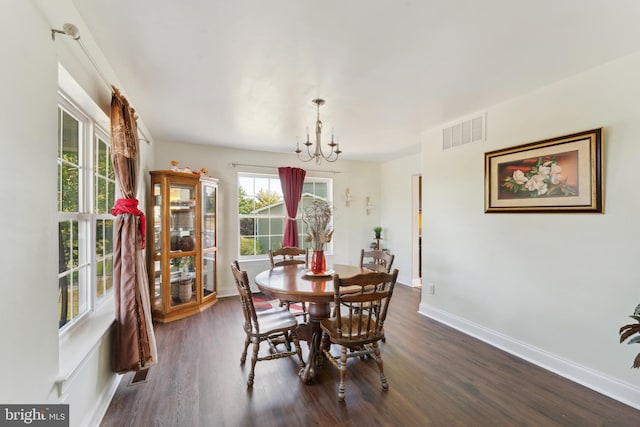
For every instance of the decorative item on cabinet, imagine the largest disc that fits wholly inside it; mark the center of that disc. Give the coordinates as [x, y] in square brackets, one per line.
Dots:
[182, 260]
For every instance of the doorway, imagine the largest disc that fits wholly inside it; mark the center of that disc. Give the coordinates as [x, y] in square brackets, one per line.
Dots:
[416, 215]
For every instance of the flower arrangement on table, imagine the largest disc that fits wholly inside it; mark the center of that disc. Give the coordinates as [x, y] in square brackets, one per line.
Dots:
[187, 169]
[317, 220]
[544, 178]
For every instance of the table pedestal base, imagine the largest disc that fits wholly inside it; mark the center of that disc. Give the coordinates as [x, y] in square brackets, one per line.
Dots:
[312, 333]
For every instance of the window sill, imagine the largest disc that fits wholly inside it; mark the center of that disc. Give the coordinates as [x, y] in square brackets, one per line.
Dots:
[78, 344]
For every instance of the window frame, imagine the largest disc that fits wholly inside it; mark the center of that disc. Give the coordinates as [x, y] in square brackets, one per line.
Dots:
[87, 218]
[239, 216]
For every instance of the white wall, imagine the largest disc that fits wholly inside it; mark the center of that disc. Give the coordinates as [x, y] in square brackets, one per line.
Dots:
[397, 212]
[28, 318]
[554, 288]
[354, 228]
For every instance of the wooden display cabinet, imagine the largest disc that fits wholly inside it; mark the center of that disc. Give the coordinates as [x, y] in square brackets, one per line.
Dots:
[182, 244]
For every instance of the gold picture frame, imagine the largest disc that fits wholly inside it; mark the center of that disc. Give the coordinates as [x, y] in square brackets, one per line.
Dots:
[562, 174]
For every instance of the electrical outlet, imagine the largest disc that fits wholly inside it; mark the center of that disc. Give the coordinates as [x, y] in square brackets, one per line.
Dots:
[431, 288]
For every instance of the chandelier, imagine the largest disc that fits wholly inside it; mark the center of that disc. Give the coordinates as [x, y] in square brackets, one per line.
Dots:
[318, 154]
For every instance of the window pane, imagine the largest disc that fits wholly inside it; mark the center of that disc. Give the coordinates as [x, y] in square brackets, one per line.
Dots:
[99, 278]
[68, 245]
[321, 190]
[69, 298]
[101, 157]
[276, 242]
[104, 181]
[262, 246]
[263, 226]
[104, 276]
[59, 185]
[101, 195]
[104, 237]
[104, 256]
[70, 138]
[277, 226]
[247, 246]
[307, 187]
[247, 226]
[70, 188]
[108, 236]
[111, 199]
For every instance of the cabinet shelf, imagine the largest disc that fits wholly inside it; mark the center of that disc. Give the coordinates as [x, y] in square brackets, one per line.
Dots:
[182, 261]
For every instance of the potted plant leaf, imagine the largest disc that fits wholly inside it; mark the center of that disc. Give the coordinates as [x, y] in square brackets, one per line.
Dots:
[628, 331]
[378, 231]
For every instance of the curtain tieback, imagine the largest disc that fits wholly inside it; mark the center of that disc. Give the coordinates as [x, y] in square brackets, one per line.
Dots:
[131, 206]
[290, 219]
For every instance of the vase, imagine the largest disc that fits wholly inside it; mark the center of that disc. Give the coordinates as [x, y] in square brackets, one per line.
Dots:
[185, 290]
[318, 262]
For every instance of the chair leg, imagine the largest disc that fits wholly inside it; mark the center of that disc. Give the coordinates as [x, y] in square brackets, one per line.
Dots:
[254, 359]
[296, 345]
[243, 357]
[383, 378]
[343, 373]
[287, 340]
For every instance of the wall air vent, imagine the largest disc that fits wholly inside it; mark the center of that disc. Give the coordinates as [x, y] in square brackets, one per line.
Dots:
[464, 132]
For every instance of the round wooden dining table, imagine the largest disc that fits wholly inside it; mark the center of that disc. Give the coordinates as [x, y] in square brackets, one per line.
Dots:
[296, 283]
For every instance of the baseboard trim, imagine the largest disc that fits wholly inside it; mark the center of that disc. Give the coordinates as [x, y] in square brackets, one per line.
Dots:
[102, 405]
[597, 381]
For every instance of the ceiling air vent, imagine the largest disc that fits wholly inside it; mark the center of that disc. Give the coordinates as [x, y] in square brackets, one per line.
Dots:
[464, 132]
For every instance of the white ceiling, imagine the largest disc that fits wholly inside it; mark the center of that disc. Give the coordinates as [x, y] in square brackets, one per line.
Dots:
[242, 73]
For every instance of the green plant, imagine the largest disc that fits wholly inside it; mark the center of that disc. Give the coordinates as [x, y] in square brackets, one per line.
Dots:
[250, 246]
[627, 331]
[377, 230]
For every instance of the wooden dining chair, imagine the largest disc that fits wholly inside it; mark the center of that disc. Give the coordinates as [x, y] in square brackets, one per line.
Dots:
[376, 260]
[357, 328]
[275, 326]
[289, 255]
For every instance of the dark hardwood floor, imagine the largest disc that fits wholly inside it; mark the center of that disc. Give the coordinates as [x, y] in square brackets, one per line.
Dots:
[437, 377]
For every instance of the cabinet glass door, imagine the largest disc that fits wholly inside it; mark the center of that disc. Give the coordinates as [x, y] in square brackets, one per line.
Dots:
[156, 297]
[182, 226]
[209, 237]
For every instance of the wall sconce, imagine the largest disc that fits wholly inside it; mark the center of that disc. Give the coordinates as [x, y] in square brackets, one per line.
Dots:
[368, 205]
[347, 197]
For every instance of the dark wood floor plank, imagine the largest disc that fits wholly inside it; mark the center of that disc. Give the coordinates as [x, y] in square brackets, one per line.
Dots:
[437, 377]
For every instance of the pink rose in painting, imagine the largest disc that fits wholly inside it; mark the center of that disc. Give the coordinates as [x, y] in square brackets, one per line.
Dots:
[519, 177]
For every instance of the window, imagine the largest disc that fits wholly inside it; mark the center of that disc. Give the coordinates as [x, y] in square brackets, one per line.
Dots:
[86, 193]
[262, 213]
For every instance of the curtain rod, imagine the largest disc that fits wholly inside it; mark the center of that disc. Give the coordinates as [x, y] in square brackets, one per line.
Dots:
[276, 167]
[76, 37]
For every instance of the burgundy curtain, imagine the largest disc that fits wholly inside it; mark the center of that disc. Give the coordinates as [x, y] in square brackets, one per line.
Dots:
[291, 180]
[135, 343]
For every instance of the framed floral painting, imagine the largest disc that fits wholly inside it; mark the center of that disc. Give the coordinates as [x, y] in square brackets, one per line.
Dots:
[562, 174]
